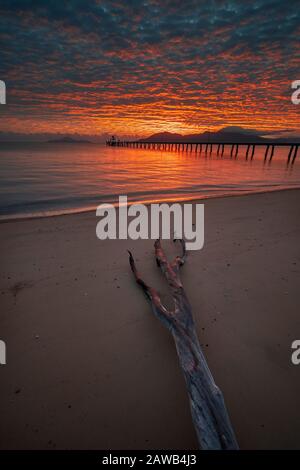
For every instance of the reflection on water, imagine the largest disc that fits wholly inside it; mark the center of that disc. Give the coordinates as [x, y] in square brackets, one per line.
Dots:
[53, 178]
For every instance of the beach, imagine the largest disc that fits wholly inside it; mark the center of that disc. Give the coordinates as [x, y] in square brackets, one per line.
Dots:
[90, 367]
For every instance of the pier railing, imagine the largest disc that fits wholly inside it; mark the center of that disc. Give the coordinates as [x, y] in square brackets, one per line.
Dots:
[207, 147]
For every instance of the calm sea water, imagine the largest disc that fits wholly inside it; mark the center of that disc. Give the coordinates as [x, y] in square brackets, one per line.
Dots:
[48, 178]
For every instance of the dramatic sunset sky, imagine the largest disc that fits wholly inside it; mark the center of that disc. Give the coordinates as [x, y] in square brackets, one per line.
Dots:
[138, 67]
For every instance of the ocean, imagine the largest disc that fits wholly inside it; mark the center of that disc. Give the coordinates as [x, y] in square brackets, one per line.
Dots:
[44, 179]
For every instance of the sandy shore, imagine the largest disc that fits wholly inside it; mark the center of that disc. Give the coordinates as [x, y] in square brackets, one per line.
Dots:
[88, 366]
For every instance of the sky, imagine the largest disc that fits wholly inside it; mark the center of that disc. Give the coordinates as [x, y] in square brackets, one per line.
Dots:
[133, 68]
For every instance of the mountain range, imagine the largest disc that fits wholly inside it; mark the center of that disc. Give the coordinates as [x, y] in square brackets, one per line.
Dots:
[228, 134]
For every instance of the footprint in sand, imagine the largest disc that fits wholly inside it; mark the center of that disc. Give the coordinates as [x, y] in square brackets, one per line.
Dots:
[18, 286]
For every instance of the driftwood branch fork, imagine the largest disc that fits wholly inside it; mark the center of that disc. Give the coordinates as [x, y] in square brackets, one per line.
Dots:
[211, 421]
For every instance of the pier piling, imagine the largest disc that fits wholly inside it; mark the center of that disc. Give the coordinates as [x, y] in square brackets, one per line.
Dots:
[231, 152]
[272, 153]
[247, 152]
[266, 152]
[208, 147]
[290, 154]
[236, 151]
[295, 154]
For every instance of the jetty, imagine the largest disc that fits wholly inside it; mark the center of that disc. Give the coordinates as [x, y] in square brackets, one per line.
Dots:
[207, 148]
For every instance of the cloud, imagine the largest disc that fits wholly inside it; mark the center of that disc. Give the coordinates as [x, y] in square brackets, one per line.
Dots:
[141, 67]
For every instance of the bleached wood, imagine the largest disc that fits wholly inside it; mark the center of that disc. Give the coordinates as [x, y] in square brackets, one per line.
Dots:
[209, 414]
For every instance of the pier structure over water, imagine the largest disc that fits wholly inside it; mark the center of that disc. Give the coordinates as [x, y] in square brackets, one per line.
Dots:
[207, 148]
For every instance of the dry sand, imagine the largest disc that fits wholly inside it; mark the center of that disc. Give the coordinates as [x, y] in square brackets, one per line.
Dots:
[88, 365]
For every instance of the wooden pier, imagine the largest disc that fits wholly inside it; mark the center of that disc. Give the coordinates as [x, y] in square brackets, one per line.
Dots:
[207, 148]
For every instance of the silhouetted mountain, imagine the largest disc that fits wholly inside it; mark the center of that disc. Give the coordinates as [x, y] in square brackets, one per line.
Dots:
[228, 134]
[241, 130]
[164, 137]
[68, 140]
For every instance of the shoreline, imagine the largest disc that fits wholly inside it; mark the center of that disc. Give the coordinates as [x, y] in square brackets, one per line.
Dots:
[90, 367]
[22, 218]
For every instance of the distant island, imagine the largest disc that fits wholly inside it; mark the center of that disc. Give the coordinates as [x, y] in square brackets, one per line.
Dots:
[68, 140]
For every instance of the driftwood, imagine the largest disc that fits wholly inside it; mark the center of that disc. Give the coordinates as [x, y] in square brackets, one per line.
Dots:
[208, 410]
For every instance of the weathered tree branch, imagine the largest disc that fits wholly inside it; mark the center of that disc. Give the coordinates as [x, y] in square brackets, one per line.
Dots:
[208, 409]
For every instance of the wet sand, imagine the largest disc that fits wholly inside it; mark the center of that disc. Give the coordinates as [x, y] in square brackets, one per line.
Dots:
[89, 366]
